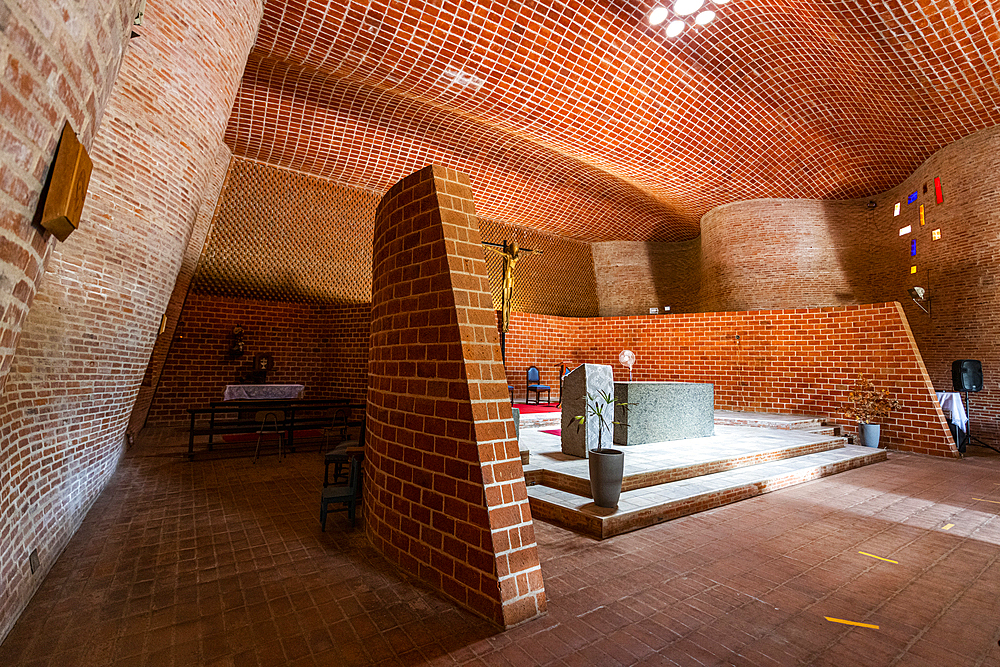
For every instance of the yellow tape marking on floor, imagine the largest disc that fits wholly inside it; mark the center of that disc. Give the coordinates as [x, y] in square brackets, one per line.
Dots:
[860, 625]
[887, 560]
[947, 526]
[983, 500]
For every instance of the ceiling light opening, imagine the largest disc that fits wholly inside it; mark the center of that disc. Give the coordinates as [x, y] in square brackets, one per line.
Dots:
[675, 28]
[705, 17]
[658, 15]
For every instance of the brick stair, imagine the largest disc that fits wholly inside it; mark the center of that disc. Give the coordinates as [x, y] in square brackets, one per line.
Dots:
[751, 454]
[648, 506]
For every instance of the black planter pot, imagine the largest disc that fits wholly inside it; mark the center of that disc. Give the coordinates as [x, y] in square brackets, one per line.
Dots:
[606, 467]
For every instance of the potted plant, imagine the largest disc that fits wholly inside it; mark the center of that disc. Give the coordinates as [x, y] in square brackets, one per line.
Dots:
[606, 465]
[868, 406]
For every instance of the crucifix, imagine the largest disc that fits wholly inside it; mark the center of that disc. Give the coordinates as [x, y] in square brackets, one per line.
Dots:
[510, 252]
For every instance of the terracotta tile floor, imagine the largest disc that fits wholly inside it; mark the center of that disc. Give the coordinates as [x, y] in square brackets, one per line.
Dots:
[220, 562]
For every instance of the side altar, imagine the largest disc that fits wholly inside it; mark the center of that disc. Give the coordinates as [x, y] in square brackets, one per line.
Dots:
[662, 411]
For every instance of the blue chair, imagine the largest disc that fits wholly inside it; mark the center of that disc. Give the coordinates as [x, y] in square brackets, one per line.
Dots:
[533, 386]
[347, 494]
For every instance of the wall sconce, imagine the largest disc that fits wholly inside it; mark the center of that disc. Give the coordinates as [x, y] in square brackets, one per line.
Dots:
[919, 296]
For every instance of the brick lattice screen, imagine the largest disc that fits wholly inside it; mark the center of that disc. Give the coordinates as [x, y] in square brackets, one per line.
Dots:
[446, 498]
[560, 281]
[284, 236]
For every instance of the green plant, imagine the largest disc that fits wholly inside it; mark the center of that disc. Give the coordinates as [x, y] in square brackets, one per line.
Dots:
[868, 404]
[600, 408]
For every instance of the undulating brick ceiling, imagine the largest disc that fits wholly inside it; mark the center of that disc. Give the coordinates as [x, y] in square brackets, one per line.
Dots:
[580, 119]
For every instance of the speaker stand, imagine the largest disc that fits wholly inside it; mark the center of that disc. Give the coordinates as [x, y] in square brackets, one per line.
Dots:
[969, 440]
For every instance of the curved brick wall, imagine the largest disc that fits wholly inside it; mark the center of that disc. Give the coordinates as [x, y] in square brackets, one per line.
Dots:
[961, 269]
[445, 495]
[60, 63]
[770, 253]
[87, 338]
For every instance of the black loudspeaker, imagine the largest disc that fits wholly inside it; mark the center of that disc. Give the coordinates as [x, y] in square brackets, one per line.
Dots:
[967, 375]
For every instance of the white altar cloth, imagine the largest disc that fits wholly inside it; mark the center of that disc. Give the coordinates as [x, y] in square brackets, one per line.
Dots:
[262, 392]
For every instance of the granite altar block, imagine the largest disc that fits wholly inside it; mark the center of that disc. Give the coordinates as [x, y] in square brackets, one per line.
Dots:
[593, 379]
[662, 411]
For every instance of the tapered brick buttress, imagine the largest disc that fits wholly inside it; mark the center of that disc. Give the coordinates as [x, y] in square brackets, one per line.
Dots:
[446, 498]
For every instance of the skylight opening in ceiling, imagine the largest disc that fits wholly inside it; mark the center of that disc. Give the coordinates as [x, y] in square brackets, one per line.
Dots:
[685, 14]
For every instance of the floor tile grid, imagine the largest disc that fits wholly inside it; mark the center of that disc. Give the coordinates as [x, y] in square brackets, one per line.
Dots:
[690, 589]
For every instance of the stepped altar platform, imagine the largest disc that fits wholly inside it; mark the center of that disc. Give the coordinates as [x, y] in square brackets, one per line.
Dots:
[750, 454]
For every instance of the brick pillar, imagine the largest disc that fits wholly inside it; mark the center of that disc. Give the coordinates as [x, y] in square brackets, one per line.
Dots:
[446, 498]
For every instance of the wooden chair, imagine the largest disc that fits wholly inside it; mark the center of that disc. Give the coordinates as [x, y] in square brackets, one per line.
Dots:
[338, 456]
[336, 429]
[534, 378]
[347, 494]
[262, 417]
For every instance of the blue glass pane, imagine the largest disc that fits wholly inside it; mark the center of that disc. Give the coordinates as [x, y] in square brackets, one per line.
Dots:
[913, 248]
[912, 198]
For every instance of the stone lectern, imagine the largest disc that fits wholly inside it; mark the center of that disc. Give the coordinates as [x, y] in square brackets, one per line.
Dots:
[578, 439]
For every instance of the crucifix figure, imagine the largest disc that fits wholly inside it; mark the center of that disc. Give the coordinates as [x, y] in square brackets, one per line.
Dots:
[510, 252]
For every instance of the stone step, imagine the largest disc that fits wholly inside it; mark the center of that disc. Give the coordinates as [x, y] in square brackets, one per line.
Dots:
[768, 420]
[647, 506]
[723, 417]
[638, 478]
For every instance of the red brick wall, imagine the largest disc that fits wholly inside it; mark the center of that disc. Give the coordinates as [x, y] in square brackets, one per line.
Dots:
[59, 64]
[767, 254]
[158, 358]
[787, 361]
[961, 269]
[87, 338]
[445, 497]
[323, 347]
[770, 253]
[633, 277]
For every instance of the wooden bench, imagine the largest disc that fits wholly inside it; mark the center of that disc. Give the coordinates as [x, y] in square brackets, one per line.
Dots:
[237, 418]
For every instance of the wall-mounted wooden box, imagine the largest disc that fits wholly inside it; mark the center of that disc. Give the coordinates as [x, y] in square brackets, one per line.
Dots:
[68, 187]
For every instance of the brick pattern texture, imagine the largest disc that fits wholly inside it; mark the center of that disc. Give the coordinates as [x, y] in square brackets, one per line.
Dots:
[59, 64]
[778, 254]
[559, 281]
[196, 243]
[284, 236]
[323, 347]
[800, 361]
[87, 338]
[446, 495]
[633, 276]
